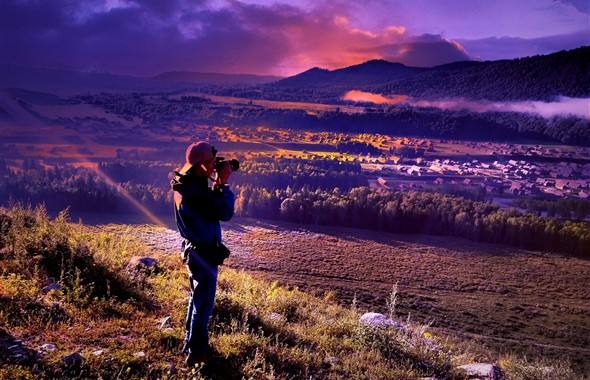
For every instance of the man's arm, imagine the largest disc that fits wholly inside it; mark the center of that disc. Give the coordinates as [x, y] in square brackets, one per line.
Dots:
[216, 203]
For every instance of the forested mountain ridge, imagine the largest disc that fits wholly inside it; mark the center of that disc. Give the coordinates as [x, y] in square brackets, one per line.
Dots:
[376, 72]
[541, 77]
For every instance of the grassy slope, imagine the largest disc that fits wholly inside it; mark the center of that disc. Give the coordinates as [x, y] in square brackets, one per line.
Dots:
[260, 330]
[509, 300]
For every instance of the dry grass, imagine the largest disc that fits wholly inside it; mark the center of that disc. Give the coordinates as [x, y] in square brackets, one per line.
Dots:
[259, 329]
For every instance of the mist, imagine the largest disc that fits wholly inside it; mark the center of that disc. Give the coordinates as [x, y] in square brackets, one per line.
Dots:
[562, 106]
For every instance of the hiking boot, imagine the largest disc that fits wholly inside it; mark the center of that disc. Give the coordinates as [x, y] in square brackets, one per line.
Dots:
[193, 359]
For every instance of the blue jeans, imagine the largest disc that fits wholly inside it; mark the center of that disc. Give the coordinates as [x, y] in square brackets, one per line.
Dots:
[203, 283]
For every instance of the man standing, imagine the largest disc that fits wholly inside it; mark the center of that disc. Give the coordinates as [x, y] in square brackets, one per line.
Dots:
[198, 210]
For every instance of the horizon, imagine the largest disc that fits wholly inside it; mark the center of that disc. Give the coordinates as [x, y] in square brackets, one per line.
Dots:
[97, 71]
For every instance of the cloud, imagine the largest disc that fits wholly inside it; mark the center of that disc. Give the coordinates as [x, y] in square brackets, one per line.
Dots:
[582, 6]
[147, 37]
[512, 47]
[369, 97]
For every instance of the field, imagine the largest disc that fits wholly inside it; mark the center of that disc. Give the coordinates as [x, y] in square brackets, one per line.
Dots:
[90, 307]
[507, 300]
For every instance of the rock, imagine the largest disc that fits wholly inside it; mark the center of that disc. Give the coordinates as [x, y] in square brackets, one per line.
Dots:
[482, 371]
[139, 354]
[276, 317]
[73, 360]
[48, 347]
[379, 320]
[165, 322]
[332, 360]
[50, 287]
[97, 352]
[143, 264]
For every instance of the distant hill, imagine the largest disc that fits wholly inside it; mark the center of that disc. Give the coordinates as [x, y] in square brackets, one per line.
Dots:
[376, 71]
[214, 78]
[68, 81]
[539, 77]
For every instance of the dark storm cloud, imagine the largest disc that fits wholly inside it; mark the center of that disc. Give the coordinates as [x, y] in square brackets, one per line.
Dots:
[147, 37]
[512, 47]
[581, 5]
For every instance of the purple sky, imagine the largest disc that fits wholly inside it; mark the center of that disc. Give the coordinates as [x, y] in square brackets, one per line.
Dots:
[146, 37]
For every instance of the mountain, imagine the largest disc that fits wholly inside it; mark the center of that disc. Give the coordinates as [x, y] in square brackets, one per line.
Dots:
[214, 78]
[376, 71]
[68, 81]
[542, 77]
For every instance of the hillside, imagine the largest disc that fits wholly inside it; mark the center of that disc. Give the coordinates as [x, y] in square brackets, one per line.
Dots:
[374, 72]
[218, 79]
[70, 81]
[565, 73]
[87, 308]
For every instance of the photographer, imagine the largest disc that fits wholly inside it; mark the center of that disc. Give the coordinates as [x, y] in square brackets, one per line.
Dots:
[198, 210]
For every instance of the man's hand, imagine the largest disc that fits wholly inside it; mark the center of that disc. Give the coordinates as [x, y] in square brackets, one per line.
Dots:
[223, 174]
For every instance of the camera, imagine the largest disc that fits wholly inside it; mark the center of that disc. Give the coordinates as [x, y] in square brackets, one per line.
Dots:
[220, 161]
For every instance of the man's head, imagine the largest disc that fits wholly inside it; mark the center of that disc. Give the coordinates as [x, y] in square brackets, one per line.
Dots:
[200, 155]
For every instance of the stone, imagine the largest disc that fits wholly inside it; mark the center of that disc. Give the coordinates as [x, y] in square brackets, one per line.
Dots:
[48, 347]
[482, 371]
[144, 264]
[276, 317]
[139, 354]
[73, 360]
[97, 352]
[379, 320]
[50, 287]
[165, 322]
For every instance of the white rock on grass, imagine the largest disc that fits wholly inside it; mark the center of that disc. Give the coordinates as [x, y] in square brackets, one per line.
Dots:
[379, 320]
[482, 371]
[139, 354]
[276, 317]
[48, 347]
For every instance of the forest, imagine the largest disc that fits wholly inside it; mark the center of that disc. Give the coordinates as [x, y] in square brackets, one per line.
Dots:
[393, 120]
[359, 207]
[564, 208]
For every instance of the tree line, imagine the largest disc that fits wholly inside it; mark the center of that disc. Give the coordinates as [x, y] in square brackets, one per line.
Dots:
[359, 207]
[416, 212]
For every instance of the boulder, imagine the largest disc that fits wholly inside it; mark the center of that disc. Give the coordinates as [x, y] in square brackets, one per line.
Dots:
[50, 287]
[48, 347]
[379, 320]
[482, 371]
[73, 360]
[143, 264]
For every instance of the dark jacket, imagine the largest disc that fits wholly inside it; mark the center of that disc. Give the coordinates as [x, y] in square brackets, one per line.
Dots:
[198, 208]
